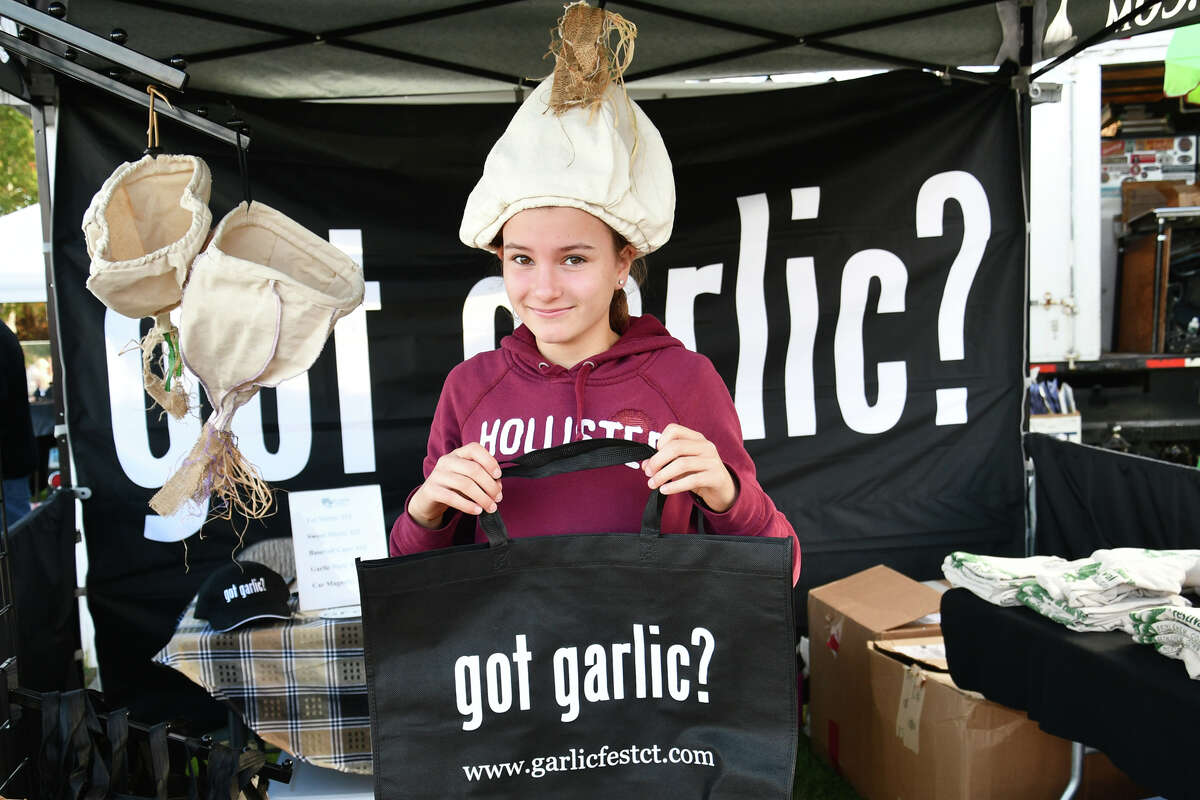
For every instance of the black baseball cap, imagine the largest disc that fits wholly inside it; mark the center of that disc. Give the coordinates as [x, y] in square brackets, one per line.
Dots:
[242, 591]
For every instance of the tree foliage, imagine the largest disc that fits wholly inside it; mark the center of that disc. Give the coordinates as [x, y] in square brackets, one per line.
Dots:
[18, 169]
[28, 320]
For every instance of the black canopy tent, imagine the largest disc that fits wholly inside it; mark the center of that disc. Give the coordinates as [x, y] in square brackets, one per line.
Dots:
[455, 51]
[443, 52]
[483, 51]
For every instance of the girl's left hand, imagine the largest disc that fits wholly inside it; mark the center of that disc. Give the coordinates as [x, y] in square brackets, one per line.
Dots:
[687, 462]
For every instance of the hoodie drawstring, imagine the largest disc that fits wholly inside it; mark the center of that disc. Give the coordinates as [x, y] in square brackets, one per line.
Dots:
[580, 380]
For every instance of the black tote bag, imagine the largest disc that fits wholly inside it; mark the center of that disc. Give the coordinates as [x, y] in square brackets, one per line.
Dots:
[583, 666]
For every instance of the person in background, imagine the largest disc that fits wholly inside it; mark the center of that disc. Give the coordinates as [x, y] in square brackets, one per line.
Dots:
[40, 377]
[18, 450]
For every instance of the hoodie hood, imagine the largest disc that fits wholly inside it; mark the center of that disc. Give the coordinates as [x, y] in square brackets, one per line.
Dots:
[645, 335]
[644, 338]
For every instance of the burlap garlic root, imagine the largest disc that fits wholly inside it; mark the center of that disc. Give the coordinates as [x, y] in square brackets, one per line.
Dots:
[260, 303]
[143, 228]
[586, 59]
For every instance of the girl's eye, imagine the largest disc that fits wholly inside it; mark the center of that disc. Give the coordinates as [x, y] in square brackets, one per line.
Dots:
[520, 258]
[574, 261]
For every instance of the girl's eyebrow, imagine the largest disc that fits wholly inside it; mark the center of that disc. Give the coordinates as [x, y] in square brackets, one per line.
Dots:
[576, 246]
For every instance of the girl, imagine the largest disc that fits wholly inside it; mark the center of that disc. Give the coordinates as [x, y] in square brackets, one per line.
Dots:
[569, 201]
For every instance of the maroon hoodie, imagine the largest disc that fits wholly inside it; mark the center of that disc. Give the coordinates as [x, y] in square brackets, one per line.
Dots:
[513, 400]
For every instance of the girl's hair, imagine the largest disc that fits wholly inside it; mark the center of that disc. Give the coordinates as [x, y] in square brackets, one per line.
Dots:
[618, 307]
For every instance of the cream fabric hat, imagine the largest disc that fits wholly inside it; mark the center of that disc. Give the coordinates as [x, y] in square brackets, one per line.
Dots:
[262, 299]
[579, 141]
[142, 229]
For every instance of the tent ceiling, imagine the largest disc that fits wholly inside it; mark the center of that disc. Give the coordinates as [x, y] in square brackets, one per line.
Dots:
[421, 48]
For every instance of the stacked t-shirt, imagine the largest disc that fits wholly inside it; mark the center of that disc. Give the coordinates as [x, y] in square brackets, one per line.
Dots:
[1099, 593]
[1093, 594]
[995, 578]
[1093, 612]
[1173, 631]
[1159, 570]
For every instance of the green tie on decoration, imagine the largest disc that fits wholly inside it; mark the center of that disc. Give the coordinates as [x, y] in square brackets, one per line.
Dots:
[1181, 76]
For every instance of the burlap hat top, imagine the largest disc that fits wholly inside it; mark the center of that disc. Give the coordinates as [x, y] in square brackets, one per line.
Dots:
[262, 299]
[579, 141]
[142, 229]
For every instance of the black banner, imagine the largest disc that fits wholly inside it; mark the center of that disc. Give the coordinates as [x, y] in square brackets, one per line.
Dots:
[850, 256]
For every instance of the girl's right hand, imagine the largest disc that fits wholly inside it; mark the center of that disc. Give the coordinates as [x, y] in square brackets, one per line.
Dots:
[466, 479]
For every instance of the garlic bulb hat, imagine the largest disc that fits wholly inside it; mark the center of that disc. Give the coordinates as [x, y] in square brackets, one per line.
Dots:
[143, 228]
[579, 141]
[262, 299]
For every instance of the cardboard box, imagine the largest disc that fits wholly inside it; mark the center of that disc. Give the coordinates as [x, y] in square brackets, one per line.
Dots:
[1138, 197]
[865, 643]
[843, 618]
[938, 742]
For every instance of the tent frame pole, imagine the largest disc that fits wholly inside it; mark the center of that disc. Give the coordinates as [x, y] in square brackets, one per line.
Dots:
[89, 42]
[832, 33]
[294, 37]
[399, 55]
[817, 41]
[82, 74]
[1021, 83]
[899, 61]
[45, 203]
[899, 19]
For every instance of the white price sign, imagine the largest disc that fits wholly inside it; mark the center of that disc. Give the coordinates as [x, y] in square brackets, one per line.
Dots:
[330, 528]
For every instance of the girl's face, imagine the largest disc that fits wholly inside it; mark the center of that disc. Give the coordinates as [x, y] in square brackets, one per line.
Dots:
[561, 268]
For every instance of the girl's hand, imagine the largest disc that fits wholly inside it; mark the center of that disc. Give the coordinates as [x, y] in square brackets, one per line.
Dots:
[466, 479]
[687, 462]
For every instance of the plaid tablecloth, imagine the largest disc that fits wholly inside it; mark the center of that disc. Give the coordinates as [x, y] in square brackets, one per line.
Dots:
[301, 685]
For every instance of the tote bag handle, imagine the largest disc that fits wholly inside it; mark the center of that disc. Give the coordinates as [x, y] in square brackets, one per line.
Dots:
[575, 457]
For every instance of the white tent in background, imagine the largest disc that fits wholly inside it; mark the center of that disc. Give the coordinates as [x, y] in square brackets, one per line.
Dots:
[22, 267]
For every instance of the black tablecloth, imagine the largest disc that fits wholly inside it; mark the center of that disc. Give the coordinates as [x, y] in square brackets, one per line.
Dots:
[1102, 689]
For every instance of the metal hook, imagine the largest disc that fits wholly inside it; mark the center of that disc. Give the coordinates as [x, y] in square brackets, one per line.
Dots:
[239, 128]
